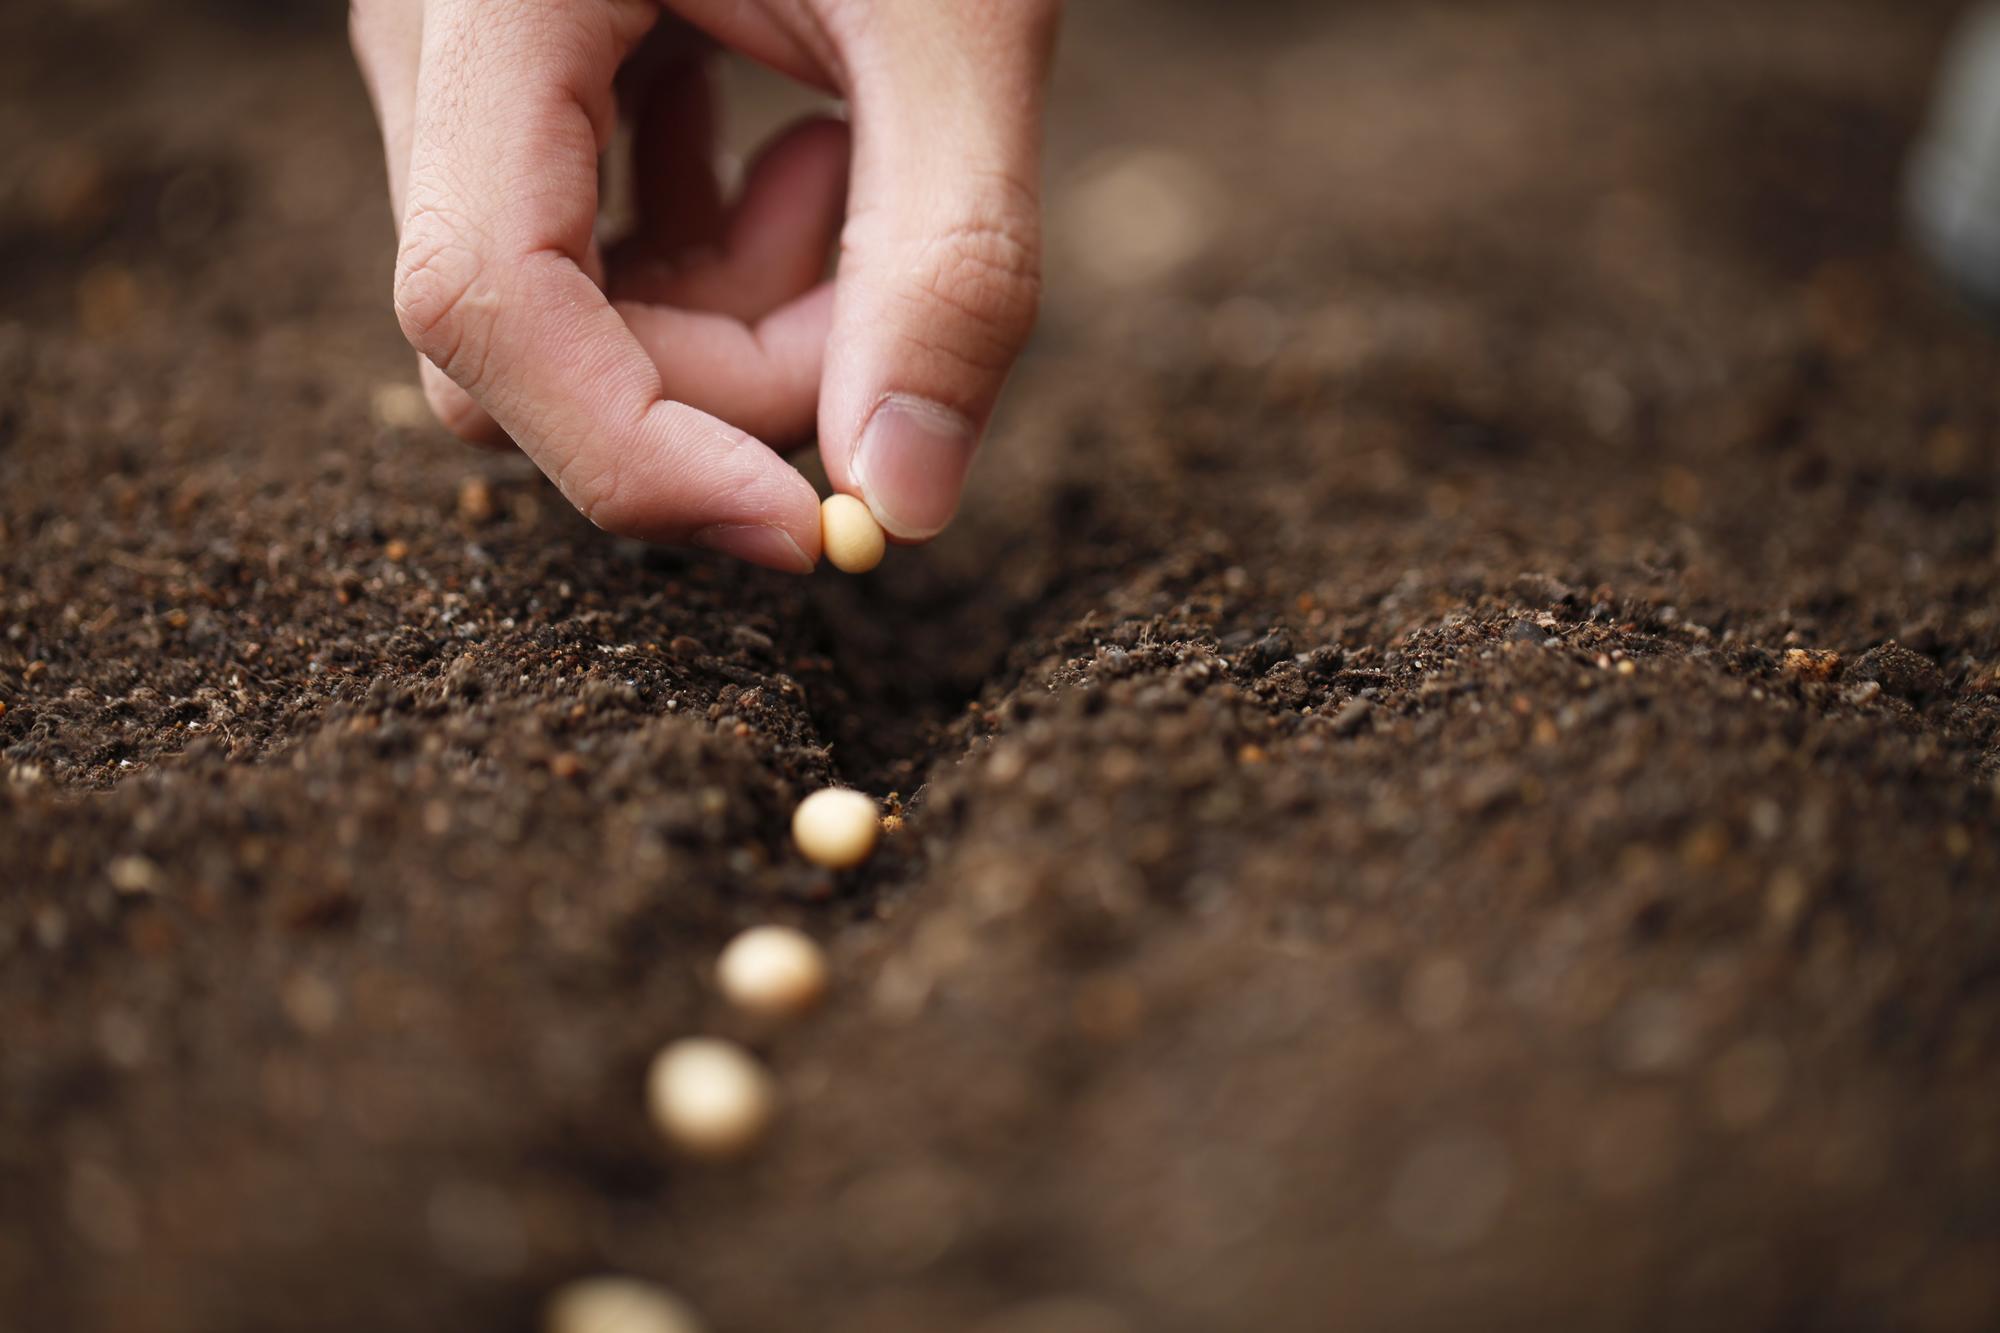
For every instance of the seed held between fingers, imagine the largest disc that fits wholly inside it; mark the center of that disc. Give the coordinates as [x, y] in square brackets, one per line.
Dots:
[710, 1098]
[849, 534]
[773, 972]
[836, 827]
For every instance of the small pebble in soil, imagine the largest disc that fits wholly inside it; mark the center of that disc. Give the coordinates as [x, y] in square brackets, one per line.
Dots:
[618, 1305]
[1811, 664]
[836, 827]
[850, 535]
[710, 1098]
[1899, 671]
[773, 972]
[475, 501]
[1270, 650]
[1352, 717]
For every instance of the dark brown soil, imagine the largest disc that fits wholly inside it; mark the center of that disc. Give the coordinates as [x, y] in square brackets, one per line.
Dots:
[1372, 858]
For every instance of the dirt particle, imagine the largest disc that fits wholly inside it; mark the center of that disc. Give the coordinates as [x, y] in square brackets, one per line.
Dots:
[1269, 651]
[135, 875]
[1351, 717]
[1899, 671]
[565, 767]
[1706, 846]
[1811, 664]
[475, 501]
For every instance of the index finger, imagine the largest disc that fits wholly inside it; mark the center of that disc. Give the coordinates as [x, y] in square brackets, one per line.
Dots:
[513, 106]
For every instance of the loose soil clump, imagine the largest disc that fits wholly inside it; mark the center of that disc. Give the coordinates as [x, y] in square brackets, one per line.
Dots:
[1445, 776]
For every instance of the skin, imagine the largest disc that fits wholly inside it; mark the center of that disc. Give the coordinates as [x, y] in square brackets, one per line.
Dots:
[646, 375]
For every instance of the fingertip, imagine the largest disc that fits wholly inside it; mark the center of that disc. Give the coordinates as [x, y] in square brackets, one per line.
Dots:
[685, 476]
[910, 465]
[757, 543]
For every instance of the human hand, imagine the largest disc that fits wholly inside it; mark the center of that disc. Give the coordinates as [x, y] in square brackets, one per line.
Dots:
[640, 375]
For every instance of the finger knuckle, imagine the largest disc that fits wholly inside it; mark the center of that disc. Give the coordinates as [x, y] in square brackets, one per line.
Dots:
[443, 292]
[986, 267]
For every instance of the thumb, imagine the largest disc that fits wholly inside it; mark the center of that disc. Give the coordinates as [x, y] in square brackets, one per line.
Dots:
[941, 255]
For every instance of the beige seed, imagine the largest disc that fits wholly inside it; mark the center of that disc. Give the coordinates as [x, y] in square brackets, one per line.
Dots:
[836, 827]
[850, 535]
[710, 1098]
[772, 971]
[618, 1305]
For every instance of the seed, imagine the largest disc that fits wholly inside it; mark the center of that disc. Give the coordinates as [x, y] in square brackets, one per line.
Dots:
[710, 1097]
[850, 535]
[836, 827]
[773, 971]
[618, 1305]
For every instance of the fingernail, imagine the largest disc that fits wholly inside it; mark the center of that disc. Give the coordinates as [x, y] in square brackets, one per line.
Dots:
[911, 465]
[759, 543]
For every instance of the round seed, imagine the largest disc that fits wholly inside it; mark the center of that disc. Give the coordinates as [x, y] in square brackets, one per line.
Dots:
[618, 1305]
[710, 1098]
[849, 534]
[772, 971]
[836, 827]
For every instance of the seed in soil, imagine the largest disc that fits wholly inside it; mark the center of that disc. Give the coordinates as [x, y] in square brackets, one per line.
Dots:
[836, 827]
[850, 535]
[711, 1098]
[618, 1305]
[772, 971]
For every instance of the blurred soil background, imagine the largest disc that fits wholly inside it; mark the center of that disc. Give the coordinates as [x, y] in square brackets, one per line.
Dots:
[1447, 771]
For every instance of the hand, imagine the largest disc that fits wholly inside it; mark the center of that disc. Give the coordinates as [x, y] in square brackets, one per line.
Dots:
[631, 373]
